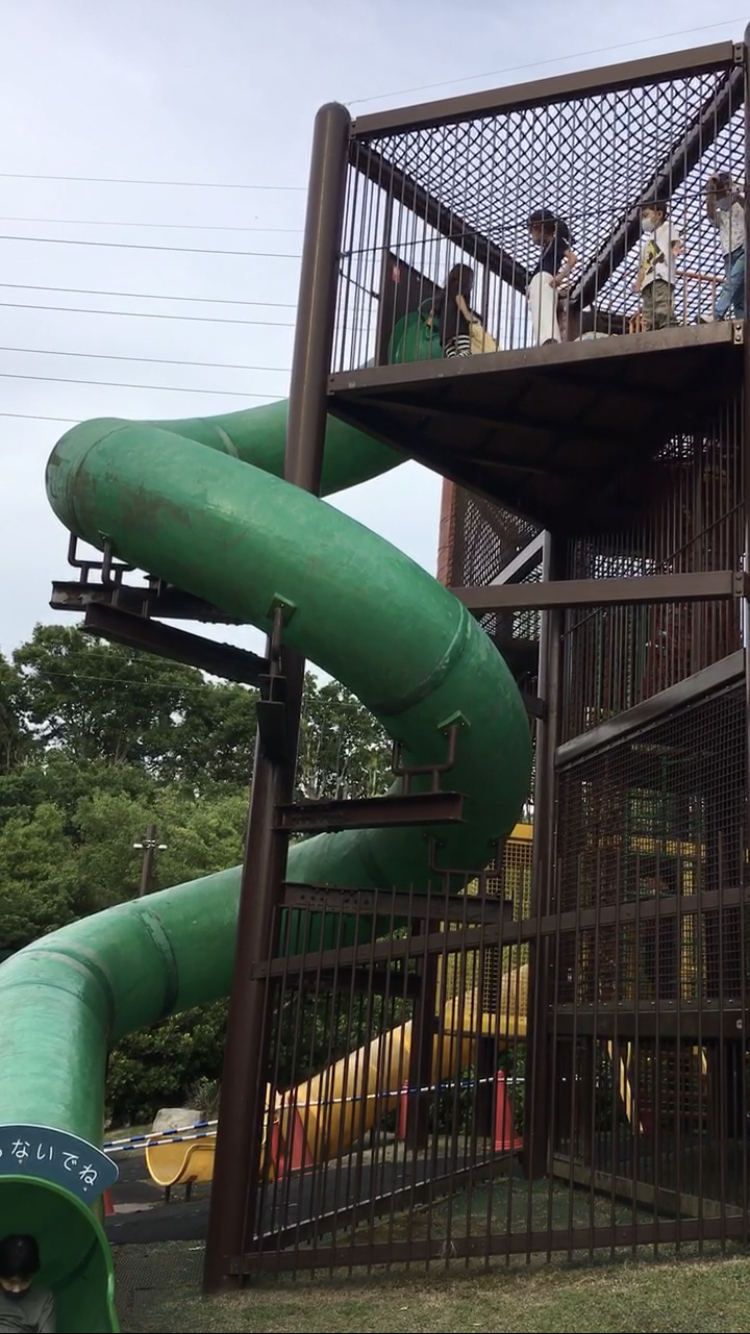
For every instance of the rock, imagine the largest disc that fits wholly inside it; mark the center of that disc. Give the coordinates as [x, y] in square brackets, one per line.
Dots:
[174, 1118]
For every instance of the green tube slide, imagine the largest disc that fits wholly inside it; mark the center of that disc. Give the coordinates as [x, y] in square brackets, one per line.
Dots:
[202, 504]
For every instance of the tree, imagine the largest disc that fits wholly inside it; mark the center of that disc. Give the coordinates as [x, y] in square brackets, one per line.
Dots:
[96, 742]
[15, 738]
[344, 752]
[212, 743]
[37, 881]
[156, 1067]
[98, 701]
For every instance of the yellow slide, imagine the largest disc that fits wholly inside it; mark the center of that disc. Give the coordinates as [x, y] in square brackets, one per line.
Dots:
[323, 1117]
[181, 1164]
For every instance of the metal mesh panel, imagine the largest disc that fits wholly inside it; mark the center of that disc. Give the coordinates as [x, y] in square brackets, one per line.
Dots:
[486, 539]
[618, 656]
[513, 884]
[464, 191]
[650, 829]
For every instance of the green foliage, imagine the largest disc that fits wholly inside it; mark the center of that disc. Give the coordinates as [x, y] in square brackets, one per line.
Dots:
[160, 1066]
[202, 835]
[99, 741]
[37, 886]
[343, 751]
[97, 701]
[15, 738]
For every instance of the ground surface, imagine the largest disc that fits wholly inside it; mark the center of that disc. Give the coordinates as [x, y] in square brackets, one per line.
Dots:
[159, 1256]
[628, 1298]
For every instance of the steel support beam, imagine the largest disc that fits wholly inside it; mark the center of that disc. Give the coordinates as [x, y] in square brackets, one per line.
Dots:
[411, 808]
[540, 92]
[537, 1105]
[563, 593]
[140, 632]
[173, 604]
[233, 1217]
[467, 911]
[347, 1255]
[522, 564]
[438, 942]
[398, 185]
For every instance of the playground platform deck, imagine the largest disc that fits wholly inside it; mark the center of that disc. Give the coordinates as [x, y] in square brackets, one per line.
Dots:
[558, 433]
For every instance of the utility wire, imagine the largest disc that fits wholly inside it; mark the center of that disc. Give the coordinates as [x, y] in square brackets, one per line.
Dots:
[125, 686]
[123, 384]
[156, 361]
[148, 315]
[172, 249]
[538, 64]
[38, 417]
[122, 180]
[157, 315]
[148, 296]
[156, 226]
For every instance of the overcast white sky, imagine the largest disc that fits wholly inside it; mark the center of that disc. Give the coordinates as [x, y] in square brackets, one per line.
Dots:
[216, 92]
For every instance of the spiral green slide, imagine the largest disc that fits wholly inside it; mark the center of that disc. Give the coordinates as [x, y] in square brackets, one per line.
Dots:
[202, 504]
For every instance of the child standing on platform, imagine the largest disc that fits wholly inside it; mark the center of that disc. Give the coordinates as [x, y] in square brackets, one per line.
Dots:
[656, 275]
[557, 261]
[725, 207]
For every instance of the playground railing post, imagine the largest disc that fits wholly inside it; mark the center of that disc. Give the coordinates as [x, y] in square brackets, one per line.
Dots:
[238, 1168]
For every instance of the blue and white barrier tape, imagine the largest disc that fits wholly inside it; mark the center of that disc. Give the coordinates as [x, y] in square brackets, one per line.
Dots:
[206, 1129]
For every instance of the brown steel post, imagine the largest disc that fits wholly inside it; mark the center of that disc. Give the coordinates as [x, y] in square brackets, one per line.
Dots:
[446, 559]
[539, 1097]
[232, 1217]
[746, 418]
[745, 607]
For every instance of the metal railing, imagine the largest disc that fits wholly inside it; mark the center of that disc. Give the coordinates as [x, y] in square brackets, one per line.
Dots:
[457, 182]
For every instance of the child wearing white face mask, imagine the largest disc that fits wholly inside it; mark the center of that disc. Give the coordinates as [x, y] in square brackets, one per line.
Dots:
[656, 275]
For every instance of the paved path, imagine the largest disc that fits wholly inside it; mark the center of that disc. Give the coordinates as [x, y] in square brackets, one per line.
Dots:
[311, 1195]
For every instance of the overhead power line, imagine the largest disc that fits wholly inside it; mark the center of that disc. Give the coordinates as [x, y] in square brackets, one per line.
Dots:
[135, 245]
[156, 361]
[124, 384]
[124, 180]
[38, 417]
[552, 60]
[156, 226]
[148, 315]
[148, 296]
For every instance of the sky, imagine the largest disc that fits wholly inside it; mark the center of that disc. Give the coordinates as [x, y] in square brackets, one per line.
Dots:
[210, 107]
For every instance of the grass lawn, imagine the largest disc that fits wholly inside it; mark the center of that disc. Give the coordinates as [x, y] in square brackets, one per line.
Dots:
[621, 1298]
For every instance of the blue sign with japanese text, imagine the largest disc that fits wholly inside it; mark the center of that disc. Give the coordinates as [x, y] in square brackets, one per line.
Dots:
[57, 1156]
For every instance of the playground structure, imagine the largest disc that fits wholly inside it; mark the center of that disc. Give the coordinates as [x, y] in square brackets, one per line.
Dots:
[588, 623]
[323, 1117]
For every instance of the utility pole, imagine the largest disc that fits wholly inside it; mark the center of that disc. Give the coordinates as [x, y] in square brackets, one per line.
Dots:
[148, 847]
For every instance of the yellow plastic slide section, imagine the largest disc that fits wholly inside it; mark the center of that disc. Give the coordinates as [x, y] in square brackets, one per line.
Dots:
[343, 1102]
[180, 1164]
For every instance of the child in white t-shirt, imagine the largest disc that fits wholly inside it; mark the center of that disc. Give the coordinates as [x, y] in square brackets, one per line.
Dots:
[656, 275]
[725, 207]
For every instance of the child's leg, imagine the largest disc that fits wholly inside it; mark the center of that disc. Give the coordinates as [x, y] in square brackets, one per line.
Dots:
[542, 299]
[662, 298]
[648, 307]
[724, 298]
[736, 284]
